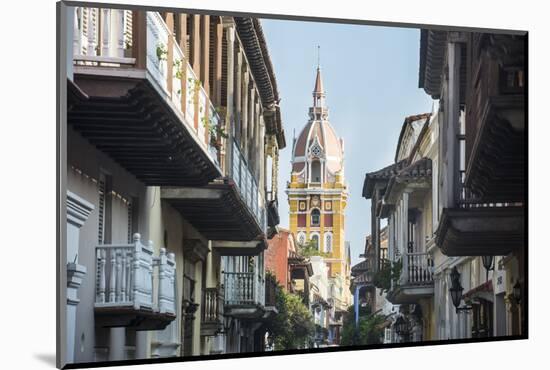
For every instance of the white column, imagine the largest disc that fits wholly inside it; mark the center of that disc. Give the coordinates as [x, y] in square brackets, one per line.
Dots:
[105, 31]
[78, 211]
[142, 344]
[117, 33]
[92, 31]
[405, 221]
[117, 341]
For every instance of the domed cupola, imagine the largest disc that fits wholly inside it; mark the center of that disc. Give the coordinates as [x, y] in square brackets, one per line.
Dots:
[318, 153]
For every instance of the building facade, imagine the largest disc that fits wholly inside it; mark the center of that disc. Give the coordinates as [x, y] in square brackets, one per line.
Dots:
[173, 132]
[454, 197]
[479, 80]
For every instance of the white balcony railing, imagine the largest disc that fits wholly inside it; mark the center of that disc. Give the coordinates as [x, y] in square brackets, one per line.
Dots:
[417, 269]
[248, 187]
[104, 38]
[244, 288]
[128, 275]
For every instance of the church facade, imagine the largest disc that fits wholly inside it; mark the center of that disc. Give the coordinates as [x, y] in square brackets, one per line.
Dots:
[317, 194]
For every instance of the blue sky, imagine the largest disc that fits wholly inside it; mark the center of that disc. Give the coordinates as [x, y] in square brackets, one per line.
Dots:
[370, 76]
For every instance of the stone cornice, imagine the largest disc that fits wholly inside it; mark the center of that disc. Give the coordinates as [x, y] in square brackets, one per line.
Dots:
[78, 209]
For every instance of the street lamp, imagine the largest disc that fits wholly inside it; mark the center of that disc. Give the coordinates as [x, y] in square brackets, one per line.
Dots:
[456, 291]
[488, 264]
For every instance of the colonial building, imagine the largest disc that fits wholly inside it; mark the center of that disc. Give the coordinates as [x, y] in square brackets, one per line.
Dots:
[454, 197]
[317, 196]
[479, 80]
[401, 194]
[173, 132]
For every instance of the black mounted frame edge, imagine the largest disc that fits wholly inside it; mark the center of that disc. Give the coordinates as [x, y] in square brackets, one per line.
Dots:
[61, 188]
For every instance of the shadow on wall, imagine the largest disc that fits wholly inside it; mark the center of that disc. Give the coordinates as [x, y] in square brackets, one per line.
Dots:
[47, 358]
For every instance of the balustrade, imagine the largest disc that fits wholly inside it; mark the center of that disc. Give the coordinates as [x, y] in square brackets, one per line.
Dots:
[417, 269]
[129, 275]
[244, 288]
[212, 305]
[248, 187]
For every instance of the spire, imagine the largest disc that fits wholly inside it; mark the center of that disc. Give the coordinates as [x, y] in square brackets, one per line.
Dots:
[318, 91]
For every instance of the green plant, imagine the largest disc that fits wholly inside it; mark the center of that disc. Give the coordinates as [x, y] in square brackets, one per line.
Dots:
[195, 86]
[293, 326]
[383, 278]
[161, 52]
[369, 329]
[222, 112]
[310, 249]
[179, 66]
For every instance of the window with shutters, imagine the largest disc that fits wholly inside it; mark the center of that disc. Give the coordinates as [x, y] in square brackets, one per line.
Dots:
[101, 210]
[104, 209]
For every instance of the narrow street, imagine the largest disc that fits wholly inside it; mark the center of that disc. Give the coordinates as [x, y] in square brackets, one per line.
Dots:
[241, 185]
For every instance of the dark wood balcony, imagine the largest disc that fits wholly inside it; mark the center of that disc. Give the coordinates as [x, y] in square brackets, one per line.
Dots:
[139, 110]
[485, 230]
[495, 118]
[231, 212]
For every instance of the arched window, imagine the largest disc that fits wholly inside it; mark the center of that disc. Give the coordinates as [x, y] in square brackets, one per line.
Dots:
[301, 238]
[328, 242]
[315, 240]
[316, 171]
[315, 217]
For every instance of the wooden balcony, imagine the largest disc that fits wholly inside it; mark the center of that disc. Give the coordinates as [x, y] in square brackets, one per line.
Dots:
[244, 295]
[231, 212]
[495, 118]
[136, 98]
[416, 281]
[134, 288]
[212, 311]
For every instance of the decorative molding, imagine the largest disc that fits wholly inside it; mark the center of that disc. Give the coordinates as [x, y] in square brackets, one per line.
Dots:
[75, 276]
[78, 209]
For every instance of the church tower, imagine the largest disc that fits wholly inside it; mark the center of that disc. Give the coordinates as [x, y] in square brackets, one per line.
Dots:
[317, 193]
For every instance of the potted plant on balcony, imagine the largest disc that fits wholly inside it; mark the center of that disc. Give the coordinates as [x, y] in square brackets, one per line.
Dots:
[215, 132]
[383, 278]
[162, 53]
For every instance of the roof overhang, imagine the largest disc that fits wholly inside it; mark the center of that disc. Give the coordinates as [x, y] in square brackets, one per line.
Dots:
[127, 119]
[216, 210]
[432, 57]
